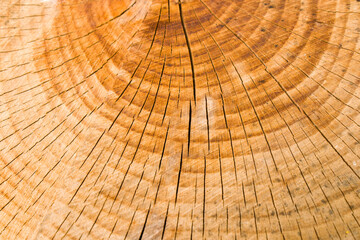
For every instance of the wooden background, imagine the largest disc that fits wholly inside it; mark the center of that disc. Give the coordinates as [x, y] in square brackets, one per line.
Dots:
[193, 119]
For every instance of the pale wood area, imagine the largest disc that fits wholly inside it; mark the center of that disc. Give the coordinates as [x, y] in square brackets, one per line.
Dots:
[193, 119]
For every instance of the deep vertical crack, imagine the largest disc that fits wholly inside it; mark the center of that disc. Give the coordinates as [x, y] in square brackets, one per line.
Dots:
[189, 49]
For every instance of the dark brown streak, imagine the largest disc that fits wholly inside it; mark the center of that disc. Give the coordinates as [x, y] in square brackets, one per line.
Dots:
[72, 224]
[169, 10]
[132, 219]
[179, 175]
[87, 157]
[204, 198]
[257, 116]
[157, 190]
[144, 226]
[112, 124]
[2, 208]
[87, 174]
[156, 28]
[50, 171]
[112, 152]
[142, 134]
[127, 142]
[129, 83]
[207, 122]
[97, 217]
[189, 129]
[164, 227]
[221, 176]
[137, 186]
[189, 49]
[163, 151]
[61, 225]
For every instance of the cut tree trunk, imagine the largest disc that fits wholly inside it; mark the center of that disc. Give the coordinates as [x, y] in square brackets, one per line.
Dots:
[193, 119]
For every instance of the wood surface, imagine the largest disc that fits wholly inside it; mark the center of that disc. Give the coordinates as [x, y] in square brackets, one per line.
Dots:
[192, 119]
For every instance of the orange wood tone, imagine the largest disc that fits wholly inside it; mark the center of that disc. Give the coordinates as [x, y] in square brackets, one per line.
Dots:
[192, 119]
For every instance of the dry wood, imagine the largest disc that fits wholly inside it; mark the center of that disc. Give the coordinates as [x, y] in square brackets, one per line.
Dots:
[203, 119]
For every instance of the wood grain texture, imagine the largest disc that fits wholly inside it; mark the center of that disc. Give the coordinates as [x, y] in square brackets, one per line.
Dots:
[192, 119]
